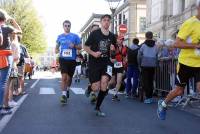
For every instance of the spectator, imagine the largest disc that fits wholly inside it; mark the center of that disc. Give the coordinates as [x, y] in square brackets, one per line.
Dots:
[1, 37]
[20, 66]
[133, 70]
[32, 68]
[147, 58]
[8, 98]
[6, 55]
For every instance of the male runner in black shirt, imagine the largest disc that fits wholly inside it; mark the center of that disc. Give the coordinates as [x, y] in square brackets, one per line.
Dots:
[99, 46]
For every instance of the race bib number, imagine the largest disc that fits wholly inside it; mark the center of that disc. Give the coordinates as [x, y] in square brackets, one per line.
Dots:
[118, 65]
[197, 52]
[67, 53]
[109, 70]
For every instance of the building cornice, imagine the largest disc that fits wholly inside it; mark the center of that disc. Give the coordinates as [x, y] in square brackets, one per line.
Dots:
[90, 20]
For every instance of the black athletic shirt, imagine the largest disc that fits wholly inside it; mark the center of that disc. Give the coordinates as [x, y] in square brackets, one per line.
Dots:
[97, 41]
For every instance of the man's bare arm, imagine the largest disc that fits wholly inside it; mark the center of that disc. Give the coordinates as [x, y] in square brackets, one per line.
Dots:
[179, 43]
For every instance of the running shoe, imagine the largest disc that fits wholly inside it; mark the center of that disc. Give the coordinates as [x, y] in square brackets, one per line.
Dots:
[12, 103]
[115, 98]
[88, 91]
[93, 98]
[161, 111]
[148, 101]
[63, 99]
[4, 111]
[127, 96]
[100, 113]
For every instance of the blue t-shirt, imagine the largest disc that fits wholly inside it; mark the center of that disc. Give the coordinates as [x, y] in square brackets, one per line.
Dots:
[64, 41]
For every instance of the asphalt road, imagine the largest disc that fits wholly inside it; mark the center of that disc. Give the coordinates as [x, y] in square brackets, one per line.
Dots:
[40, 112]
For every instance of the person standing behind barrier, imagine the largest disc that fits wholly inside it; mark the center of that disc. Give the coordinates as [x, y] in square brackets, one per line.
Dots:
[8, 97]
[188, 40]
[21, 66]
[1, 36]
[147, 59]
[132, 70]
[6, 55]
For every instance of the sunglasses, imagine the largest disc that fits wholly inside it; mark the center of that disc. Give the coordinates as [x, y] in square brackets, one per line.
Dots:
[67, 25]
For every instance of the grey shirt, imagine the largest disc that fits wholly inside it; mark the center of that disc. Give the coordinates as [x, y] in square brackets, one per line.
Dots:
[148, 54]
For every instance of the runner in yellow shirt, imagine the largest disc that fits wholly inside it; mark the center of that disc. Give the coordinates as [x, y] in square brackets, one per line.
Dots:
[188, 40]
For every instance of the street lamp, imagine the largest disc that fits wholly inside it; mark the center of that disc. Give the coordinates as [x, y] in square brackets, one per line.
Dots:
[113, 4]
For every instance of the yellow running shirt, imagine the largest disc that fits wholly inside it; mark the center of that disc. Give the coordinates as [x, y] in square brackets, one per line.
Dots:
[190, 33]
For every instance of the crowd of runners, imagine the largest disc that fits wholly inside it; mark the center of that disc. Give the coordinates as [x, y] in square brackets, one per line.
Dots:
[110, 62]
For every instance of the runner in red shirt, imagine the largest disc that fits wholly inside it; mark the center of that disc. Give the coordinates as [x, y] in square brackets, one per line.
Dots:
[119, 66]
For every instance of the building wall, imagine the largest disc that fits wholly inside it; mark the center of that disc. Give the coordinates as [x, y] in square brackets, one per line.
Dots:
[5, 1]
[48, 57]
[85, 31]
[164, 17]
[133, 13]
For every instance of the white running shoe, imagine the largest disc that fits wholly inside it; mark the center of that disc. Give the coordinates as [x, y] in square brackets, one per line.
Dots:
[12, 103]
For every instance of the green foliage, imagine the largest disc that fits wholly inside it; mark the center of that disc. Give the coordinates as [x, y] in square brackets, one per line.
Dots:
[26, 16]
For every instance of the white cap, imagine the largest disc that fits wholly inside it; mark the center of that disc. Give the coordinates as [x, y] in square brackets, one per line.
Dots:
[169, 42]
[198, 3]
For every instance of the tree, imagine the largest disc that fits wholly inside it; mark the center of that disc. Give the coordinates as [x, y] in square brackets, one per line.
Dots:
[26, 16]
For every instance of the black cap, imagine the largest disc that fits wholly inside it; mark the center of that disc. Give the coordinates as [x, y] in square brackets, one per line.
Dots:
[105, 15]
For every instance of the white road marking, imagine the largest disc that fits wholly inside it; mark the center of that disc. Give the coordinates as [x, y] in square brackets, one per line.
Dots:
[78, 90]
[35, 83]
[4, 121]
[46, 90]
[113, 92]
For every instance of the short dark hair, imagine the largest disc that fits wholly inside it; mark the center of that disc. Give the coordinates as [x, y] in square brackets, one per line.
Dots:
[66, 21]
[136, 41]
[105, 15]
[149, 35]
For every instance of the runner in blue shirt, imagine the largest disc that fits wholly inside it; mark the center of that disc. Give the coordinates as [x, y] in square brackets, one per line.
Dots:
[67, 45]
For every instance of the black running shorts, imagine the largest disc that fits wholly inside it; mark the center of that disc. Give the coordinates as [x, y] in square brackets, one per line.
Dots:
[184, 73]
[67, 66]
[96, 71]
[118, 70]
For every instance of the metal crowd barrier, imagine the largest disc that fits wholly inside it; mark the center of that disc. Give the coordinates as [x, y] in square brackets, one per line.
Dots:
[165, 81]
[165, 74]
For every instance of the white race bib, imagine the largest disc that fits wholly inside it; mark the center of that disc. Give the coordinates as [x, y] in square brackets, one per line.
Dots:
[197, 52]
[118, 65]
[67, 53]
[109, 70]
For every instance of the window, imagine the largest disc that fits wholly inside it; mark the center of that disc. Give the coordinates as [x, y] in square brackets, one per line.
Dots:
[115, 27]
[125, 21]
[178, 6]
[142, 24]
[120, 19]
[183, 5]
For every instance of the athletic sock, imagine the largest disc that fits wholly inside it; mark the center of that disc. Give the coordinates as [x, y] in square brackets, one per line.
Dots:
[100, 99]
[64, 93]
